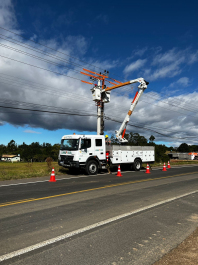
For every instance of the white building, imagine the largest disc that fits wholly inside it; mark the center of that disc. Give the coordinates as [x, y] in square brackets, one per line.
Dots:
[11, 158]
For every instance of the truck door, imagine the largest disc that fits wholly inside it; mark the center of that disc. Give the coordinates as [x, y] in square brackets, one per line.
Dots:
[86, 148]
[100, 148]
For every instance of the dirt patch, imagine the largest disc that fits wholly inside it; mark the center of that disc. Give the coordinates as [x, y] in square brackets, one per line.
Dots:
[185, 254]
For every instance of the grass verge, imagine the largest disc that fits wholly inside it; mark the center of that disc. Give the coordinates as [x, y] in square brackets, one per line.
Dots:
[20, 170]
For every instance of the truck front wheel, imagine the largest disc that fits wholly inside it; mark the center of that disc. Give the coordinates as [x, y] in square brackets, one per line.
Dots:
[137, 164]
[92, 167]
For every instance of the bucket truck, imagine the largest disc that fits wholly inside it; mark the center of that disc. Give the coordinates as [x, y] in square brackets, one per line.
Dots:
[89, 151]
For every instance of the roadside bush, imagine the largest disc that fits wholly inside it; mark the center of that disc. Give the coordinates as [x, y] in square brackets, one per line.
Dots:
[49, 162]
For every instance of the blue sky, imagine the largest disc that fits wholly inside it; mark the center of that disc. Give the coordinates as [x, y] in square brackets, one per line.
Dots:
[156, 40]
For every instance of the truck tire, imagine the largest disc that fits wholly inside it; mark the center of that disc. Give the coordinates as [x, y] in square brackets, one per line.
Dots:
[137, 164]
[92, 167]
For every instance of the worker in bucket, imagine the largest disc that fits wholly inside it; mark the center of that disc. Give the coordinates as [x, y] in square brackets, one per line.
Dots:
[107, 140]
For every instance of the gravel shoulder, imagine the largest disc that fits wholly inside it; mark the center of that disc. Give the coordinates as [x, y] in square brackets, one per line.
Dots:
[185, 253]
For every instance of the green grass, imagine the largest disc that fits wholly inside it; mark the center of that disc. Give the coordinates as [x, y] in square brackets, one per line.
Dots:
[20, 170]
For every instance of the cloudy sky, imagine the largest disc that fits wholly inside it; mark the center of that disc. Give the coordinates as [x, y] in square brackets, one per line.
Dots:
[45, 44]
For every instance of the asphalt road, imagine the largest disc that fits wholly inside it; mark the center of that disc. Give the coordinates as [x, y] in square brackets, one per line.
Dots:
[100, 219]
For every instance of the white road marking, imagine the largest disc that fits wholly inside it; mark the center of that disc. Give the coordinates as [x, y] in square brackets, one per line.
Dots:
[33, 182]
[87, 228]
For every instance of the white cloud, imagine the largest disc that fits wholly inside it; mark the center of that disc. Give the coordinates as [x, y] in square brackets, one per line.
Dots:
[134, 66]
[76, 44]
[30, 131]
[168, 57]
[183, 81]
[170, 70]
[140, 52]
[160, 115]
[7, 16]
[193, 57]
[170, 63]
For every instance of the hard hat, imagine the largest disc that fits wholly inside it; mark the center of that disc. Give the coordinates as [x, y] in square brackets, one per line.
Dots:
[106, 136]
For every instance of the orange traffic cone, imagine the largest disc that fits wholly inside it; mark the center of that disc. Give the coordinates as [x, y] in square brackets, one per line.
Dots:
[148, 169]
[168, 165]
[164, 167]
[52, 179]
[119, 172]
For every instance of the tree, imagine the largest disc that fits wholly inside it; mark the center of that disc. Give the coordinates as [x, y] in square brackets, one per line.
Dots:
[183, 148]
[160, 155]
[114, 140]
[2, 149]
[151, 139]
[12, 147]
[136, 139]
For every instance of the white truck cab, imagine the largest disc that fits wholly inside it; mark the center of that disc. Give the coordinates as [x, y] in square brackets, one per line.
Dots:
[83, 151]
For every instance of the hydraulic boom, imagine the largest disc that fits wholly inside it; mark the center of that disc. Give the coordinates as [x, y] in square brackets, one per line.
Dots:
[121, 132]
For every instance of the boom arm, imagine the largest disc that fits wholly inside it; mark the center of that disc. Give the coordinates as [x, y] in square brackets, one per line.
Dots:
[143, 85]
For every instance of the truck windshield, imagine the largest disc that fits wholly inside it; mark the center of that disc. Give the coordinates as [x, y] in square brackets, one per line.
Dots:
[69, 144]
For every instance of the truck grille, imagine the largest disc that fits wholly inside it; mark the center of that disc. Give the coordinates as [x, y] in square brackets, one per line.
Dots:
[67, 158]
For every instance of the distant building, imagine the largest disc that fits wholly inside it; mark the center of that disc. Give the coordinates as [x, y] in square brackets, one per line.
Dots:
[184, 156]
[11, 158]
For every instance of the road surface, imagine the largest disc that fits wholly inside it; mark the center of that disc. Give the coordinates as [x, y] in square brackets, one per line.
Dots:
[99, 219]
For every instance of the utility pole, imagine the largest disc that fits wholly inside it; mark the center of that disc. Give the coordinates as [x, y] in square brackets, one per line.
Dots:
[100, 106]
[100, 114]
[98, 96]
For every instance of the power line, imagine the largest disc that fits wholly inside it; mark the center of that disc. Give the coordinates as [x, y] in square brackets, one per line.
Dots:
[145, 128]
[40, 67]
[54, 50]
[111, 108]
[72, 77]
[77, 97]
[50, 48]
[172, 105]
[45, 89]
[36, 57]
[89, 115]
[40, 51]
[48, 111]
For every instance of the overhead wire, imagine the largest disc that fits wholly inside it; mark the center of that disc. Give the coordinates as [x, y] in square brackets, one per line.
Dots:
[48, 111]
[87, 100]
[41, 68]
[75, 114]
[140, 123]
[145, 128]
[41, 51]
[170, 104]
[67, 75]
[79, 98]
[48, 47]
[37, 57]
[38, 43]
